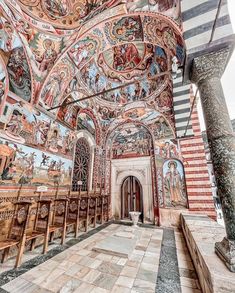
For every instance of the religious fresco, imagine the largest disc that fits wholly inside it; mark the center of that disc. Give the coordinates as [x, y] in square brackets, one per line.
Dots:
[161, 128]
[125, 29]
[30, 127]
[160, 32]
[15, 59]
[113, 49]
[68, 113]
[138, 112]
[19, 74]
[97, 81]
[57, 83]
[170, 8]
[164, 101]
[101, 66]
[3, 83]
[166, 149]
[133, 60]
[65, 14]
[21, 165]
[85, 122]
[131, 141]
[9, 39]
[174, 184]
[45, 50]
[83, 50]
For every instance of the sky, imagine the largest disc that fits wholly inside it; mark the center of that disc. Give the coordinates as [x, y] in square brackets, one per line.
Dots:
[228, 79]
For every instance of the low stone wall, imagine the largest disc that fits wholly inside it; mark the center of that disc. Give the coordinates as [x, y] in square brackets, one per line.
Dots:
[201, 233]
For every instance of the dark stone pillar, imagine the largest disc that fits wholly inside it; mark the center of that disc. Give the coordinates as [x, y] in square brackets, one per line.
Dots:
[206, 73]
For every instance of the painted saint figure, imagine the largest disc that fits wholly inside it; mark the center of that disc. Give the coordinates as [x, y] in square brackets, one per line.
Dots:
[56, 8]
[47, 59]
[174, 186]
[53, 90]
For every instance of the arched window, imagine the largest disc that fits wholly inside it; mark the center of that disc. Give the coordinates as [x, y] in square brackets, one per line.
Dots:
[81, 165]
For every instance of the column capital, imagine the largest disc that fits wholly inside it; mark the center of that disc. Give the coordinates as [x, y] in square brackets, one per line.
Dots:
[209, 65]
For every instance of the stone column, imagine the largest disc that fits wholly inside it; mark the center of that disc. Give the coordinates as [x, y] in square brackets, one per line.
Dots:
[206, 73]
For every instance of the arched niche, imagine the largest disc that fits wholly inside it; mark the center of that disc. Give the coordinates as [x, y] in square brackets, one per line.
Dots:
[87, 141]
[139, 168]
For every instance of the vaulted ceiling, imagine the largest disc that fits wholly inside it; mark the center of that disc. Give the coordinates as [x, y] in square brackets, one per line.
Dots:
[54, 52]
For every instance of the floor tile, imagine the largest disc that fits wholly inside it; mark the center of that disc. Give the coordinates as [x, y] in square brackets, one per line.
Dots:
[125, 281]
[105, 281]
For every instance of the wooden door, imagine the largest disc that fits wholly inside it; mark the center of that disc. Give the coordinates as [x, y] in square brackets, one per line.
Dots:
[131, 197]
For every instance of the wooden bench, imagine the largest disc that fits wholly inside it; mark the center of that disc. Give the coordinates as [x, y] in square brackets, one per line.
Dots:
[17, 231]
[59, 218]
[92, 210]
[73, 214]
[84, 212]
[106, 207]
[99, 209]
[41, 224]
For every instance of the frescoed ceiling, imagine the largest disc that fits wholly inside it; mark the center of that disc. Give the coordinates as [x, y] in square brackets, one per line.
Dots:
[55, 52]
[59, 15]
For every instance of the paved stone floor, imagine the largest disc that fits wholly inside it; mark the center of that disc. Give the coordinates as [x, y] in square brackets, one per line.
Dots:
[159, 262]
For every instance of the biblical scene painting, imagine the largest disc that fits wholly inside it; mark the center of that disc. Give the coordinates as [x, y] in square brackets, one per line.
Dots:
[67, 113]
[83, 50]
[2, 83]
[19, 74]
[85, 122]
[133, 59]
[123, 63]
[166, 149]
[45, 50]
[170, 8]
[23, 165]
[126, 29]
[23, 124]
[16, 62]
[9, 39]
[174, 184]
[65, 13]
[59, 81]
[131, 141]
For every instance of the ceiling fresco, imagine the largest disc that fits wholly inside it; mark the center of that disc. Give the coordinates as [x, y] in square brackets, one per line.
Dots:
[137, 49]
[66, 15]
[3, 82]
[51, 59]
[15, 59]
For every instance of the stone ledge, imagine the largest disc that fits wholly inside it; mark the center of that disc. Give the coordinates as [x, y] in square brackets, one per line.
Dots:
[201, 233]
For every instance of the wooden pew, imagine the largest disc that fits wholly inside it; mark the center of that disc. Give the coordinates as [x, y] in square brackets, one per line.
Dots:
[41, 224]
[84, 212]
[73, 213]
[59, 218]
[17, 231]
[99, 209]
[106, 207]
[92, 210]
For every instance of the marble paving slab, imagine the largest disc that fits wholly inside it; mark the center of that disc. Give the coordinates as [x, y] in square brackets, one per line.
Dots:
[116, 245]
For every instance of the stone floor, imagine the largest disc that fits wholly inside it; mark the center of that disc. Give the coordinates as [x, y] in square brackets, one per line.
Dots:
[158, 262]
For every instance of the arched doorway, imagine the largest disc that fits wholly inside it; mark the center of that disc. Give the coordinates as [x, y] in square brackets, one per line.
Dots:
[131, 197]
[81, 167]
